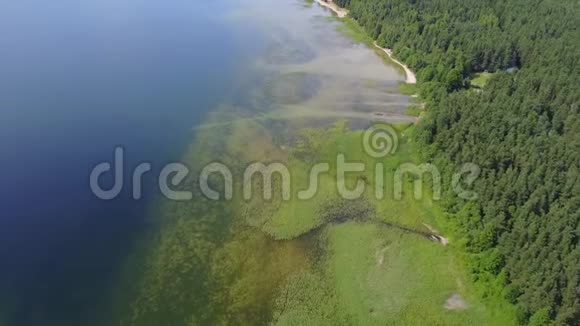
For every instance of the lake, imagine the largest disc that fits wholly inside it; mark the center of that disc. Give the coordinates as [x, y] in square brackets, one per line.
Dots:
[78, 79]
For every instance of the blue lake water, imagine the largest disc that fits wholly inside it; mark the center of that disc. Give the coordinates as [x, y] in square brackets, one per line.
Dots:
[78, 78]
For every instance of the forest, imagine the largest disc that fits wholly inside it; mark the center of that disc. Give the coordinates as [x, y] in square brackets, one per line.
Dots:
[521, 128]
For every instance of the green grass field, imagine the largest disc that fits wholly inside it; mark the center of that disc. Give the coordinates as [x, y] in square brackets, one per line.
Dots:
[385, 277]
[480, 79]
[378, 275]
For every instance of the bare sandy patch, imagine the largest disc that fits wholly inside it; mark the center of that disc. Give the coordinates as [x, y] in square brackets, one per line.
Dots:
[455, 302]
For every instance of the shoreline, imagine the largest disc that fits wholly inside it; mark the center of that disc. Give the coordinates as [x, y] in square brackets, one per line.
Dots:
[411, 78]
[340, 12]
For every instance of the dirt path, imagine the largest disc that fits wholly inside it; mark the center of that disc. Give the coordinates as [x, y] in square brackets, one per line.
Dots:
[411, 78]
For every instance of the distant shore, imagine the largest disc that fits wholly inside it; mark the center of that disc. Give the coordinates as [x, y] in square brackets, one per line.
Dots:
[411, 78]
[340, 12]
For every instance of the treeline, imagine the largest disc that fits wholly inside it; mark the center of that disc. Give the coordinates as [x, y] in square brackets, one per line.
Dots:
[522, 129]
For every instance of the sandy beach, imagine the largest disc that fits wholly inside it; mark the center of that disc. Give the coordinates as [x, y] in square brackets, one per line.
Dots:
[411, 78]
[340, 12]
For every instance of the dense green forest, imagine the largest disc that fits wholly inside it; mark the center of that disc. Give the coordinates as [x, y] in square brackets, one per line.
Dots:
[521, 128]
